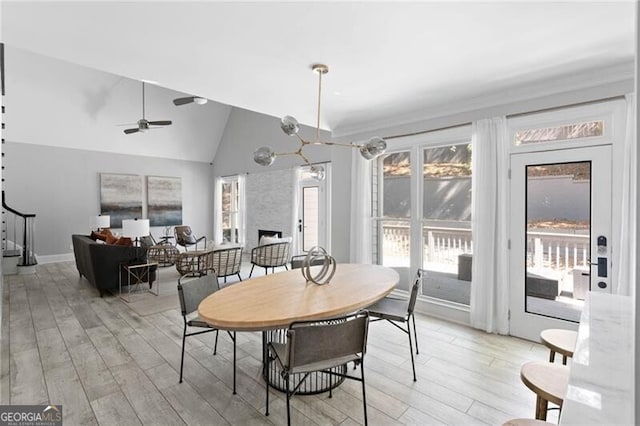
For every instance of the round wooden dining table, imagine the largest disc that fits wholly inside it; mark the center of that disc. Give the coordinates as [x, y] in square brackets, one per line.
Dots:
[275, 301]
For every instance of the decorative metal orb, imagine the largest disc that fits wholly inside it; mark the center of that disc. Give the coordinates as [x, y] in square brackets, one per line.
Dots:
[264, 156]
[289, 125]
[318, 173]
[326, 272]
[374, 147]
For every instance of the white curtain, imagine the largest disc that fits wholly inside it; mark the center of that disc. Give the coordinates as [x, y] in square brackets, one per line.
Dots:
[242, 210]
[217, 211]
[490, 283]
[360, 248]
[627, 219]
[295, 214]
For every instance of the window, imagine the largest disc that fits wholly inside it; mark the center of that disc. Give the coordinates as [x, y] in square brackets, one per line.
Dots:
[395, 209]
[422, 212]
[558, 133]
[229, 225]
[446, 222]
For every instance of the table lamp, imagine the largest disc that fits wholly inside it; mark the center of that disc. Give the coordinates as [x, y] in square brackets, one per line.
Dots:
[135, 228]
[100, 222]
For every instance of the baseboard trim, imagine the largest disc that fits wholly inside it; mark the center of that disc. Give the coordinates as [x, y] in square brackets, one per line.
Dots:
[55, 258]
[452, 312]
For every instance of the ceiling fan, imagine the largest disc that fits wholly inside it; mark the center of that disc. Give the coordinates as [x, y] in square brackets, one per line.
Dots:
[143, 123]
[190, 99]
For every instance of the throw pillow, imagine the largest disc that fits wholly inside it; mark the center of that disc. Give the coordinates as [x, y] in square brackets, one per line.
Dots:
[268, 239]
[123, 241]
[110, 239]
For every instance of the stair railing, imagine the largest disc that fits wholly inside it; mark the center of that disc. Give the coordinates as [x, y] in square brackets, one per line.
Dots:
[23, 227]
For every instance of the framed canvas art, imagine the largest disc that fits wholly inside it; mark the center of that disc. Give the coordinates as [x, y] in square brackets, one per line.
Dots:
[164, 200]
[120, 197]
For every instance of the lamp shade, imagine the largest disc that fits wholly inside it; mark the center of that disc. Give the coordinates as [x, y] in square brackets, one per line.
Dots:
[100, 221]
[135, 228]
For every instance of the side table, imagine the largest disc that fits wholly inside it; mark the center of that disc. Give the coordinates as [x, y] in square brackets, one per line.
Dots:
[139, 274]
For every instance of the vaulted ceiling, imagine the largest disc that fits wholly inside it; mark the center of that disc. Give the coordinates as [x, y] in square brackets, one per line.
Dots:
[389, 62]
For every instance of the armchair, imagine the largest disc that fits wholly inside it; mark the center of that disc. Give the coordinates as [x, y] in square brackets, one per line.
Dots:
[270, 256]
[185, 238]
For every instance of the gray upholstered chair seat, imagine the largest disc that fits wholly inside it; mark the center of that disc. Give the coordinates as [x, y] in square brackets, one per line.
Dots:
[390, 309]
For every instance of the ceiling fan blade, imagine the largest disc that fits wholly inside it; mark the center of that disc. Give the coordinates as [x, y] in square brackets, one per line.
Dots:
[183, 101]
[160, 123]
[129, 131]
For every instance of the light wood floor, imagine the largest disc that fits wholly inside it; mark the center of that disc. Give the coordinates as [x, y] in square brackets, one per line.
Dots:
[63, 344]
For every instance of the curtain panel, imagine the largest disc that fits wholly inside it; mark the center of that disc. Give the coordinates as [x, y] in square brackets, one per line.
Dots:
[489, 287]
[360, 247]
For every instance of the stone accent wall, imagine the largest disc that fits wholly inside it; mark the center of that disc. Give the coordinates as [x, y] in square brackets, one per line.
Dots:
[269, 198]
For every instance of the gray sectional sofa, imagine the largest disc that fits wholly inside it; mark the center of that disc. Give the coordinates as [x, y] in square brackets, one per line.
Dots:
[100, 263]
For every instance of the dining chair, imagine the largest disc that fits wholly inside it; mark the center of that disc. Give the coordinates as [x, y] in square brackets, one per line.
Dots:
[320, 345]
[397, 311]
[192, 291]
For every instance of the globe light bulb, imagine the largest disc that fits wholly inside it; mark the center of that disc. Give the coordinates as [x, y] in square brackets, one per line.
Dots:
[374, 147]
[318, 173]
[289, 125]
[264, 156]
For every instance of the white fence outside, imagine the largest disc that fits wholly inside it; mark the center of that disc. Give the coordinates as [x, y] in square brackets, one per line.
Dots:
[548, 253]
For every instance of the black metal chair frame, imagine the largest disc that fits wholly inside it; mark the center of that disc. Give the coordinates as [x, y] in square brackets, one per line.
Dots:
[270, 256]
[342, 355]
[408, 318]
[201, 324]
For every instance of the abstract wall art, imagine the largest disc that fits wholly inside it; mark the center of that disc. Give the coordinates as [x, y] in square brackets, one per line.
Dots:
[120, 197]
[164, 200]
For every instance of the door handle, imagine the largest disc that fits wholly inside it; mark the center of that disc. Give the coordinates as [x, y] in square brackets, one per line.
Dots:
[602, 267]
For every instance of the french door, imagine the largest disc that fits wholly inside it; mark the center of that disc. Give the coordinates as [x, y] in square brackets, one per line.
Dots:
[313, 217]
[560, 236]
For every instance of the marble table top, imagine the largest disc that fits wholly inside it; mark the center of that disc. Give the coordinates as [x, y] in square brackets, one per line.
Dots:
[601, 381]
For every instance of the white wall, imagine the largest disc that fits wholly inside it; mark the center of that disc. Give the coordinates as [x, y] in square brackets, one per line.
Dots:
[62, 187]
[55, 103]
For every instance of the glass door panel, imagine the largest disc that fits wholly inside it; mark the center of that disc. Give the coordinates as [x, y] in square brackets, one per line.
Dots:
[310, 217]
[558, 226]
[561, 208]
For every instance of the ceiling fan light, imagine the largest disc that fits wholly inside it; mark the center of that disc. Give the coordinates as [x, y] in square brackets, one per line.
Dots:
[264, 156]
[200, 101]
[373, 148]
[289, 125]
